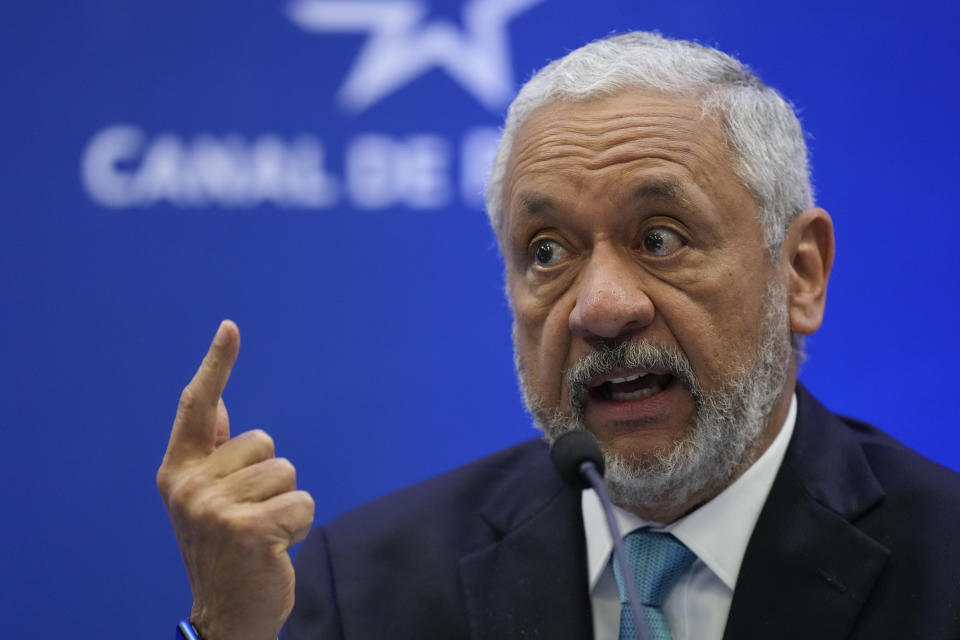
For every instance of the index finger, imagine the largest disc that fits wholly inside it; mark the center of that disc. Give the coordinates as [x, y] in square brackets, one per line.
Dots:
[194, 428]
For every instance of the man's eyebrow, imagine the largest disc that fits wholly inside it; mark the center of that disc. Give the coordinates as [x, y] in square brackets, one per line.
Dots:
[660, 189]
[534, 204]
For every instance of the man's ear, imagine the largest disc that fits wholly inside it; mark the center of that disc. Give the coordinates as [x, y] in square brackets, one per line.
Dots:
[807, 258]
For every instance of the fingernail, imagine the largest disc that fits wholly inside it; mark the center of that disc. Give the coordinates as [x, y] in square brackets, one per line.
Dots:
[220, 338]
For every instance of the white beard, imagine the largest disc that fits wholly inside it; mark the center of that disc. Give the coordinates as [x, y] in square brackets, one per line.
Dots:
[726, 427]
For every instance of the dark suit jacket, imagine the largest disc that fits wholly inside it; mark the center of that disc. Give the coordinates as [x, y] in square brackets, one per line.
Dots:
[858, 539]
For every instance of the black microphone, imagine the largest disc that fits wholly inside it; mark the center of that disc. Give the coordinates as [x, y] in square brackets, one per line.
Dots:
[579, 461]
[571, 451]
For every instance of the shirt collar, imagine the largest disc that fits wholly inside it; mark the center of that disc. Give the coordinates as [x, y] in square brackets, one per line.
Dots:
[717, 532]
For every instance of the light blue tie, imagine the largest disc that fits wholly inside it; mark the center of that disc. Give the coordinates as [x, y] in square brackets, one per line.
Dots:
[658, 560]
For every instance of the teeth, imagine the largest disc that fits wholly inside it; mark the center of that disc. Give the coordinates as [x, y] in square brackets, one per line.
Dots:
[628, 378]
[636, 395]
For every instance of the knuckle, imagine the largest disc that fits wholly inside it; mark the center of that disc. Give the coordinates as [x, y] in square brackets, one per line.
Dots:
[188, 400]
[291, 522]
[213, 361]
[181, 499]
[286, 470]
[190, 494]
[164, 481]
[306, 503]
[209, 512]
[262, 441]
[302, 517]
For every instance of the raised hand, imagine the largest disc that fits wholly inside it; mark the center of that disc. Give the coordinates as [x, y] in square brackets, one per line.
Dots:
[234, 506]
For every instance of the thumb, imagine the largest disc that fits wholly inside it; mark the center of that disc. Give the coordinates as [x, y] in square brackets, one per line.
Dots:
[201, 421]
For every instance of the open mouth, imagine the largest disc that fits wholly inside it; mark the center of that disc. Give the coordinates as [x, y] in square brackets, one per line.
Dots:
[635, 386]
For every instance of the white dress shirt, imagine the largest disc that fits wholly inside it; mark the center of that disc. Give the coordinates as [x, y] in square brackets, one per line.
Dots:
[717, 532]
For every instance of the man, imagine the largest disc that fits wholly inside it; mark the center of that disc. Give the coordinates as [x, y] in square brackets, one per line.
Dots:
[664, 261]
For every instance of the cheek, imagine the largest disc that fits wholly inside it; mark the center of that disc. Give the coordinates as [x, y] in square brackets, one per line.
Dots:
[542, 340]
[719, 328]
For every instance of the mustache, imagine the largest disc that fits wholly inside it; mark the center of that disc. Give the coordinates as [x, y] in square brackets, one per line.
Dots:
[635, 353]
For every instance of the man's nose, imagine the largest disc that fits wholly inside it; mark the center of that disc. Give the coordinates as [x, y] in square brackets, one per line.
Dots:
[611, 299]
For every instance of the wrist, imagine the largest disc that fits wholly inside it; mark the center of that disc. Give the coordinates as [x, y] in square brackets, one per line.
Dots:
[205, 625]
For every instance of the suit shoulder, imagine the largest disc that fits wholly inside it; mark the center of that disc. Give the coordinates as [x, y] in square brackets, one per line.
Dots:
[854, 457]
[900, 468]
[882, 448]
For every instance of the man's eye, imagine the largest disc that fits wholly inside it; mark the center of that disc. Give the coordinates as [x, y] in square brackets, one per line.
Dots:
[547, 253]
[662, 242]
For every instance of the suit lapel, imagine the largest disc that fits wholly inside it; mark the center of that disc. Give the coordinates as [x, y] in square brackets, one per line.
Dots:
[808, 570]
[531, 582]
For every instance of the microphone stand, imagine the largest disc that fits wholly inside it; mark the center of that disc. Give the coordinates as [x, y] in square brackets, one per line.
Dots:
[589, 471]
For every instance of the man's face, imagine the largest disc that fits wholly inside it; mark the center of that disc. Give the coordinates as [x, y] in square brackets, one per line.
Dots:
[624, 223]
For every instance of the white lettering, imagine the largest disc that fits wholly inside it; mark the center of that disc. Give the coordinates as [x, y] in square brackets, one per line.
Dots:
[307, 183]
[162, 177]
[121, 169]
[425, 172]
[383, 172]
[107, 184]
[370, 179]
[216, 171]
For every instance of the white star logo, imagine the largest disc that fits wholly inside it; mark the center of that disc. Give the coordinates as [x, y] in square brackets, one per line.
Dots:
[402, 46]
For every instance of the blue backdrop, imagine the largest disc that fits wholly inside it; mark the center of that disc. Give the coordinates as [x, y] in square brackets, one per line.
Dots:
[312, 169]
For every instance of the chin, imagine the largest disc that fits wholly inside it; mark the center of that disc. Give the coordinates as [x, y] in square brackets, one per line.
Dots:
[669, 480]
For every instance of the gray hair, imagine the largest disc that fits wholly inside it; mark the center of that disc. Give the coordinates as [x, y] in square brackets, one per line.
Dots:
[760, 125]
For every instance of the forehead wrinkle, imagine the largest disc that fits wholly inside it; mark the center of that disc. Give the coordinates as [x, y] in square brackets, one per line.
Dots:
[599, 150]
[653, 141]
[650, 190]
